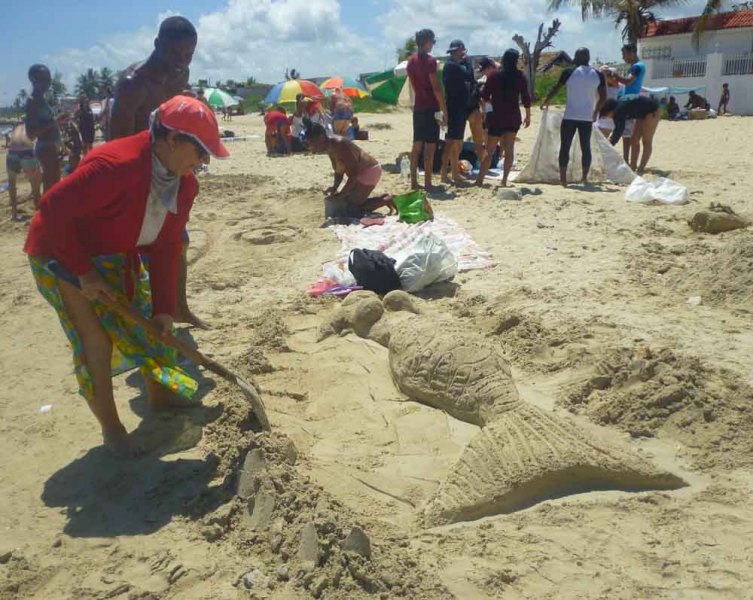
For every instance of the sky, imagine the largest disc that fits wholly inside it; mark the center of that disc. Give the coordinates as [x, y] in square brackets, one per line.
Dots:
[261, 38]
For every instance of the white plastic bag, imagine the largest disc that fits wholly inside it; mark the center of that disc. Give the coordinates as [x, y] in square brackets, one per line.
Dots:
[661, 190]
[428, 261]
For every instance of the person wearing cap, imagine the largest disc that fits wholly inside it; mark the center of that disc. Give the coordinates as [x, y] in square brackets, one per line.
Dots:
[128, 198]
[140, 90]
[462, 100]
[428, 101]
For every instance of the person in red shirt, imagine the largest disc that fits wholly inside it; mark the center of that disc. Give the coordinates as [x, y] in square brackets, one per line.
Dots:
[277, 134]
[128, 198]
[428, 100]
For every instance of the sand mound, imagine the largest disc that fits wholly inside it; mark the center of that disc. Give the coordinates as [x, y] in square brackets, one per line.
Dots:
[296, 537]
[523, 337]
[645, 393]
[462, 375]
[723, 277]
[526, 456]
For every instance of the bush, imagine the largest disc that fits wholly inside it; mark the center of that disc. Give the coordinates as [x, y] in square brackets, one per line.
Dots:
[545, 83]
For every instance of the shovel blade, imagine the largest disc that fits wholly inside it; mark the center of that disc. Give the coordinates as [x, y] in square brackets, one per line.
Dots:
[256, 404]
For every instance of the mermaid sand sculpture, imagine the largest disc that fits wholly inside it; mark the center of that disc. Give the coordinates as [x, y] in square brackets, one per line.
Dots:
[522, 454]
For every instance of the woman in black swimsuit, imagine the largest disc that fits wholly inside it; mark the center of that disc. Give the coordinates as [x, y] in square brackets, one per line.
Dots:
[42, 126]
[645, 112]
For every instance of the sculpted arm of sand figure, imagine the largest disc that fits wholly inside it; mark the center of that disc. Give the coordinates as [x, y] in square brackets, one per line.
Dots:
[129, 96]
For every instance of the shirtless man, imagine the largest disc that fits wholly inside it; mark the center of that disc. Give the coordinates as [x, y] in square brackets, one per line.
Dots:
[140, 90]
[363, 172]
[20, 158]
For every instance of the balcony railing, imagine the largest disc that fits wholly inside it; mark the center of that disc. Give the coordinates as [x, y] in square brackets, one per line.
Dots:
[680, 67]
[741, 64]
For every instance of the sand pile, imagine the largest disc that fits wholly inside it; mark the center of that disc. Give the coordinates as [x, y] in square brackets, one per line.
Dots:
[646, 393]
[295, 536]
[526, 341]
[725, 277]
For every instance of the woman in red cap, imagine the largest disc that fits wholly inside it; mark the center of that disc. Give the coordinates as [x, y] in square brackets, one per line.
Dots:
[128, 198]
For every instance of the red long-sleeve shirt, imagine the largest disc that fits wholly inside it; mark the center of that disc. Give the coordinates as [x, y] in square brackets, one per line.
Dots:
[99, 210]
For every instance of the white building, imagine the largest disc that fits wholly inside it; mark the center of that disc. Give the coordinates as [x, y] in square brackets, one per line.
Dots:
[725, 55]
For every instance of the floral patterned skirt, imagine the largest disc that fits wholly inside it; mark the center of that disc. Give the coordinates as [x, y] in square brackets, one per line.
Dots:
[132, 346]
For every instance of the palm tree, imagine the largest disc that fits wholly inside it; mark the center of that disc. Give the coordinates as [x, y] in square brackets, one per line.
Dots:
[408, 48]
[106, 79]
[88, 84]
[57, 89]
[634, 14]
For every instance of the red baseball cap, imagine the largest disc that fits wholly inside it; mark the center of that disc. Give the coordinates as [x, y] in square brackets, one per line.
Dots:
[191, 117]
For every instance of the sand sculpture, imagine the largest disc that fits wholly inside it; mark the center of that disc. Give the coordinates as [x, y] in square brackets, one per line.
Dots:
[522, 454]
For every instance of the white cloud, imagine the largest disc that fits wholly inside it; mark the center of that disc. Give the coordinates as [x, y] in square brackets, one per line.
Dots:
[264, 37]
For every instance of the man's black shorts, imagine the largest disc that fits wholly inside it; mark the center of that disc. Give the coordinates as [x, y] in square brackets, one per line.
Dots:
[425, 126]
[456, 124]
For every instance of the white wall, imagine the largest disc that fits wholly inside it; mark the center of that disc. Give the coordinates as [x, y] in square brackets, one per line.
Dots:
[729, 41]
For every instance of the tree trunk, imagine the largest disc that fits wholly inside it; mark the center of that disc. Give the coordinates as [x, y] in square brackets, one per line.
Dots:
[543, 41]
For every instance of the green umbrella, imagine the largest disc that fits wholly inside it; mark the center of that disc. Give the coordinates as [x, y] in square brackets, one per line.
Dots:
[218, 98]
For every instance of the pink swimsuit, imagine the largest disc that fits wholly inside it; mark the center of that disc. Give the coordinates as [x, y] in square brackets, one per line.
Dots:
[371, 176]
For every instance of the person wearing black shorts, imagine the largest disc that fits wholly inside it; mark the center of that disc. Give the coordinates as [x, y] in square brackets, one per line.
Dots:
[646, 116]
[507, 88]
[459, 87]
[428, 100]
[586, 93]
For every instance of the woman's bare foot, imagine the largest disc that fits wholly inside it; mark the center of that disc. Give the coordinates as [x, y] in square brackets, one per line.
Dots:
[186, 316]
[120, 444]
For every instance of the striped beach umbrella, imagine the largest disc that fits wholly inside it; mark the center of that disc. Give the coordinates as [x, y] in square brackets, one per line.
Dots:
[218, 98]
[350, 86]
[286, 91]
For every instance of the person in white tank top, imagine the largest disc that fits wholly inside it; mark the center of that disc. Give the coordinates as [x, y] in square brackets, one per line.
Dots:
[586, 92]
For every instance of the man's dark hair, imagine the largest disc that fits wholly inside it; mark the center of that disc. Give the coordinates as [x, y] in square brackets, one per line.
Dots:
[316, 131]
[176, 28]
[608, 107]
[582, 56]
[424, 36]
[630, 48]
[35, 69]
[281, 108]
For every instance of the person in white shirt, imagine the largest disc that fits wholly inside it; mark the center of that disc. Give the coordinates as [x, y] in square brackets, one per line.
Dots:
[586, 92]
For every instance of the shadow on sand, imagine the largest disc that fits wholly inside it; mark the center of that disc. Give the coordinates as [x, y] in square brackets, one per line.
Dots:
[106, 496]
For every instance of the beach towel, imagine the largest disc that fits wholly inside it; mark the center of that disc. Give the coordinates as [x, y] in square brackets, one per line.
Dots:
[397, 240]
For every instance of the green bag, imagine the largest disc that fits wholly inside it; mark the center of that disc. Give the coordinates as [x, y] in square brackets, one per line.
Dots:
[414, 207]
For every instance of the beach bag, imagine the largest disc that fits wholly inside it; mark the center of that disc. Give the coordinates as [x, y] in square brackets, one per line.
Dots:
[373, 270]
[414, 207]
[428, 261]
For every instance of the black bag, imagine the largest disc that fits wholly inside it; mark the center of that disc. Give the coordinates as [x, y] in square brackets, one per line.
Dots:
[374, 271]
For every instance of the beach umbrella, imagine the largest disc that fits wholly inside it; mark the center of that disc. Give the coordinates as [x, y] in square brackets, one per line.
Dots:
[350, 86]
[218, 98]
[286, 91]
